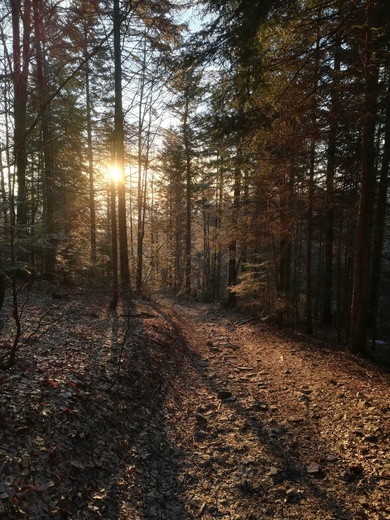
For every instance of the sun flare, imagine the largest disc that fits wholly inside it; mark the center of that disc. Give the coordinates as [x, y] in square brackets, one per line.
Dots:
[115, 173]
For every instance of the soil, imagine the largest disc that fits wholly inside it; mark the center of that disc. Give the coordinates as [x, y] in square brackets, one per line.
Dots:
[166, 411]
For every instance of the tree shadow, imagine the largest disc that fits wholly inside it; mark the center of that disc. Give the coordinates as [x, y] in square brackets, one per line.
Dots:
[146, 479]
[84, 435]
[285, 469]
[93, 431]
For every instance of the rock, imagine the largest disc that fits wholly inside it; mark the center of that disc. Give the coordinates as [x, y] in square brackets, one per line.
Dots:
[200, 436]
[313, 469]
[274, 472]
[355, 469]
[296, 420]
[331, 458]
[224, 394]
[360, 514]
[206, 464]
[278, 430]
[246, 461]
[231, 399]
[210, 343]
[371, 438]
[246, 487]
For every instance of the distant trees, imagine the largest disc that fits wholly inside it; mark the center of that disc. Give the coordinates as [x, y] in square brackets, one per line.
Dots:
[301, 137]
[253, 156]
[63, 111]
[178, 160]
[173, 211]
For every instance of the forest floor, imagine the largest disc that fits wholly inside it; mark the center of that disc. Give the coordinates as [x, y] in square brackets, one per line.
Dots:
[163, 411]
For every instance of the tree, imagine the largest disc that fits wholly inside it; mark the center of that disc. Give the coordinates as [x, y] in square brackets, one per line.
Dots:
[186, 84]
[42, 82]
[361, 279]
[330, 175]
[21, 46]
[380, 215]
[118, 147]
[172, 195]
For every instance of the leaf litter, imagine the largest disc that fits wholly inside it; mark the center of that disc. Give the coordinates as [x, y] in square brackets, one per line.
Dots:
[167, 411]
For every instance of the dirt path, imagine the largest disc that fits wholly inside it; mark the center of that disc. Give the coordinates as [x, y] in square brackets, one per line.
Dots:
[178, 412]
[273, 427]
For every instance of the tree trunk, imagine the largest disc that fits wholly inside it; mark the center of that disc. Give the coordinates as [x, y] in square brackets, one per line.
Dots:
[92, 211]
[21, 11]
[114, 246]
[187, 152]
[361, 273]
[232, 261]
[119, 151]
[2, 288]
[309, 291]
[309, 252]
[329, 211]
[380, 218]
[218, 220]
[140, 229]
[141, 177]
[48, 160]
[4, 198]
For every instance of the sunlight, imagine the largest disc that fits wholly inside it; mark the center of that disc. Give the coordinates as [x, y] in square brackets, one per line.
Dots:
[115, 173]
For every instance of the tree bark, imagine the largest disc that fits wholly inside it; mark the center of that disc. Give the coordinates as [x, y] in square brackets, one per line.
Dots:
[380, 217]
[141, 178]
[187, 152]
[21, 12]
[309, 251]
[48, 160]
[326, 317]
[2, 288]
[232, 261]
[92, 210]
[361, 272]
[114, 246]
[119, 151]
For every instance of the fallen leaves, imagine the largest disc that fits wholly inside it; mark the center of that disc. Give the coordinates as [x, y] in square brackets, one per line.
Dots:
[290, 419]
[151, 414]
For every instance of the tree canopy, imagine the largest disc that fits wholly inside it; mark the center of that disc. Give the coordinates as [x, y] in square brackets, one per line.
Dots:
[253, 152]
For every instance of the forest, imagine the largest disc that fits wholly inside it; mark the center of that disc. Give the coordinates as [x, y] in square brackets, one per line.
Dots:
[194, 259]
[234, 151]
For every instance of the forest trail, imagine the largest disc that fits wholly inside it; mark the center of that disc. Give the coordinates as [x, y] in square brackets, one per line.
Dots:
[166, 411]
[277, 426]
